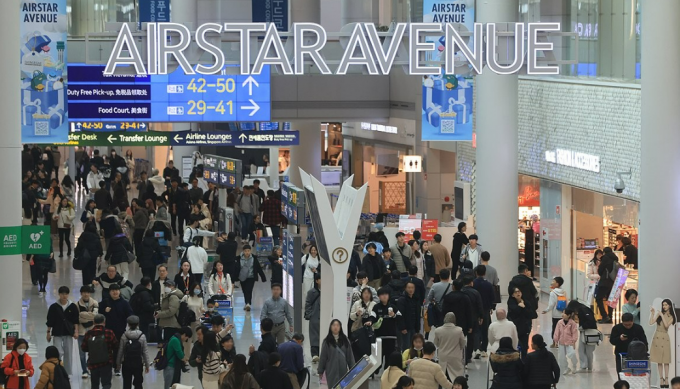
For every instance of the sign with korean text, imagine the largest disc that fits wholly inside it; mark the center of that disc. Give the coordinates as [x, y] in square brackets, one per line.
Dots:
[222, 171]
[429, 230]
[293, 203]
[44, 76]
[271, 11]
[152, 11]
[25, 240]
[408, 225]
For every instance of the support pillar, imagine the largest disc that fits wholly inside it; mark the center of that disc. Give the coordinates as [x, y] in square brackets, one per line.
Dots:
[660, 181]
[308, 154]
[10, 153]
[274, 167]
[497, 138]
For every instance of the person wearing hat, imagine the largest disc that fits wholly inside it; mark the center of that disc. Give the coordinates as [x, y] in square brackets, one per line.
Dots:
[133, 355]
[167, 316]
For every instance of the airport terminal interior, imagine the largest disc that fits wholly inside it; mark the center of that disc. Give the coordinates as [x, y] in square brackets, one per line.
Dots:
[352, 194]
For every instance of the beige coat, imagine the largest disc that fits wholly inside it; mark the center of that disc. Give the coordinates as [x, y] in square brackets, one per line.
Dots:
[450, 343]
[390, 377]
[428, 375]
[87, 314]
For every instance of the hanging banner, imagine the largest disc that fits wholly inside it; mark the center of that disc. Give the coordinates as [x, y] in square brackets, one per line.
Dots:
[271, 11]
[152, 11]
[619, 283]
[447, 98]
[44, 109]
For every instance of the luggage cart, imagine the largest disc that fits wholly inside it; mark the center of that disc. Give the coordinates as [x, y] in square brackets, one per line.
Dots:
[636, 372]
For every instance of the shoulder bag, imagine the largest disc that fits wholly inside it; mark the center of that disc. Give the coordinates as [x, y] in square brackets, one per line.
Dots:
[434, 310]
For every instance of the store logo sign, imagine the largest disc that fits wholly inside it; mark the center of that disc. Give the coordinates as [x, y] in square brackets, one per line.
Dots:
[378, 128]
[574, 159]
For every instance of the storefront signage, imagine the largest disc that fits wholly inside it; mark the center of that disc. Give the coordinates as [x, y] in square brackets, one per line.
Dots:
[379, 128]
[619, 283]
[271, 11]
[574, 159]
[529, 197]
[407, 226]
[430, 228]
[447, 98]
[44, 76]
[25, 240]
[175, 97]
[413, 164]
[364, 48]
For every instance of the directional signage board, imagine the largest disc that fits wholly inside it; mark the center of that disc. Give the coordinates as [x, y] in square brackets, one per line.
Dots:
[175, 97]
[222, 171]
[184, 138]
[108, 126]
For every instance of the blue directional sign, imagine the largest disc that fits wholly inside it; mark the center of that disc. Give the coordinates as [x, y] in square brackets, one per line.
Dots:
[108, 126]
[251, 138]
[175, 97]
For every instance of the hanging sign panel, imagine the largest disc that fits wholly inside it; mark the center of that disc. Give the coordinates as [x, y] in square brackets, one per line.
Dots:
[447, 98]
[44, 108]
[174, 97]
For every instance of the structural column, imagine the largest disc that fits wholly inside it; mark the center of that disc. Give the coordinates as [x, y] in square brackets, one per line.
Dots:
[660, 177]
[10, 175]
[274, 167]
[496, 177]
[308, 154]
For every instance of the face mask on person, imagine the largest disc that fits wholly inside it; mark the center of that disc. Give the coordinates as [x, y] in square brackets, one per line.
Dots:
[417, 348]
[167, 289]
[197, 292]
[21, 351]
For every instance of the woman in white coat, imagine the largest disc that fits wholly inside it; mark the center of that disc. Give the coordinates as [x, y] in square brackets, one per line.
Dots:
[310, 264]
[593, 277]
[450, 342]
[64, 216]
[220, 282]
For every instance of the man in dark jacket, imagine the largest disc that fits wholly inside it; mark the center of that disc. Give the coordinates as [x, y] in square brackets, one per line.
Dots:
[197, 351]
[111, 277]
[102, 197]
[460, 304]
[268, 343]
[142, 305]
[624, 333]
[116, 310]
[485, 290]
[63, 318]
[273, 377]
[313, 314]
[409, 306]
[525, 284]
[420, 285]
[391, 322]
[477, 315]
[117, 252]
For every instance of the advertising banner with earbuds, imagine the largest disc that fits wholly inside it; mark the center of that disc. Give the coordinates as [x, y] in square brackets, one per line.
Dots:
[44, 108]
[447, 98]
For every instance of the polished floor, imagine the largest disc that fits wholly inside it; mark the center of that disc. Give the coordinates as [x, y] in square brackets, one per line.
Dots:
[247, 333]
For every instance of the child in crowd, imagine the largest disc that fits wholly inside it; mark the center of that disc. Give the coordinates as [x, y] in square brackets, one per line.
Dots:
[557, 303]
[566, 336]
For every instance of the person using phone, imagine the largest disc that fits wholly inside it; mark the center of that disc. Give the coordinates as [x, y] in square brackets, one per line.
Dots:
[18, 366]
[624, 333]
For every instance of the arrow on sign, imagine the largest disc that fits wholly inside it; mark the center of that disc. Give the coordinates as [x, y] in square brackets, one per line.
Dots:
[79, 125]
[143, 125]
[243, 137]
[254, 107]
[250, 81]
[177, 138]
[111, 138]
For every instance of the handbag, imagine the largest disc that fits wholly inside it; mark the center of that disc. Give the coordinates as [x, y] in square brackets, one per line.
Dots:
[81, 261]
[130, 256]
[435, 315]
[53, 266]
[497, 294]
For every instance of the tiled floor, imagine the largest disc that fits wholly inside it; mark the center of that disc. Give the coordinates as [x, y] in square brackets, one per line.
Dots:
[247, 333]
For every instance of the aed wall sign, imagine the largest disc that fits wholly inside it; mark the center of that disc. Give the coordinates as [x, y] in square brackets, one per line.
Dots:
[25, 240]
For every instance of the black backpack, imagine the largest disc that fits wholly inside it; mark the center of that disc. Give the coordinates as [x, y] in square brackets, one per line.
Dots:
[185, 316]
[98, 350]
[60, 379]
[136, 303]
[637, 350]
[133, 352]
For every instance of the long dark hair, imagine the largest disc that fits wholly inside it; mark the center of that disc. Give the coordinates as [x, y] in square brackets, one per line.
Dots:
[67, 181]
[598, 251]
[404, 382]
[239, 369]
[342, 338]
[209, 344]
[411, 351]
[416, 253]
[671, 311]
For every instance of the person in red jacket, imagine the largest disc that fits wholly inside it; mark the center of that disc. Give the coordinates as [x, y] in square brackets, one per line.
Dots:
[18, 366]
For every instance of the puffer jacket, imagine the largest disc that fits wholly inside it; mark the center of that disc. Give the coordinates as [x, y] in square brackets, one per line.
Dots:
[507, 367]
[566, 333]
[150, 247]
[118, 248]
[47, 374]
[169, 309]
[428, 374]
[86, 316]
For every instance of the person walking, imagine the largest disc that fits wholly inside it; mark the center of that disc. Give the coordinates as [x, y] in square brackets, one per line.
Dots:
[219, 283]
[149, 252]
[460, 304]
[507, 366]
[62, 325]
[133, 355]
[276, 263]
[142, 305]
[277, 309]
[247, 206]
[118, 251]
[43, 262]
[624, 333]
[426, 372]
[401, 252]
[632, 305]
[541, 370]
[248, 269]
[198, 258]
[491, 272]
[18, 366]
[605, 284]
[500, 329]
[64, 216]
[486, 291]
[238, 376]
[226, 249]
[373, 266]
[565, 337]
[392, 319]
[175, 355]
[292, 360]
[460, 240]
[450, 341]
[310, 263]
[361, 314]
[589, 336]
[556, 304]
[167, 315]
[521, 314]
[313, 314]
[88, 308]
[435, 298]
[410, 308]
[47, 369]
[414, 352]
[442, 258]
[525, 284]
[116, 310]
[101, 344]
[89, 249]
[273, 377]
[336, 355]
[211, 361]
[393, 372]
[140, 215]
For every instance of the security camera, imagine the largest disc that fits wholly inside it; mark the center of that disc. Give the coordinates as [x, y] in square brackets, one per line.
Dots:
[620, 185]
